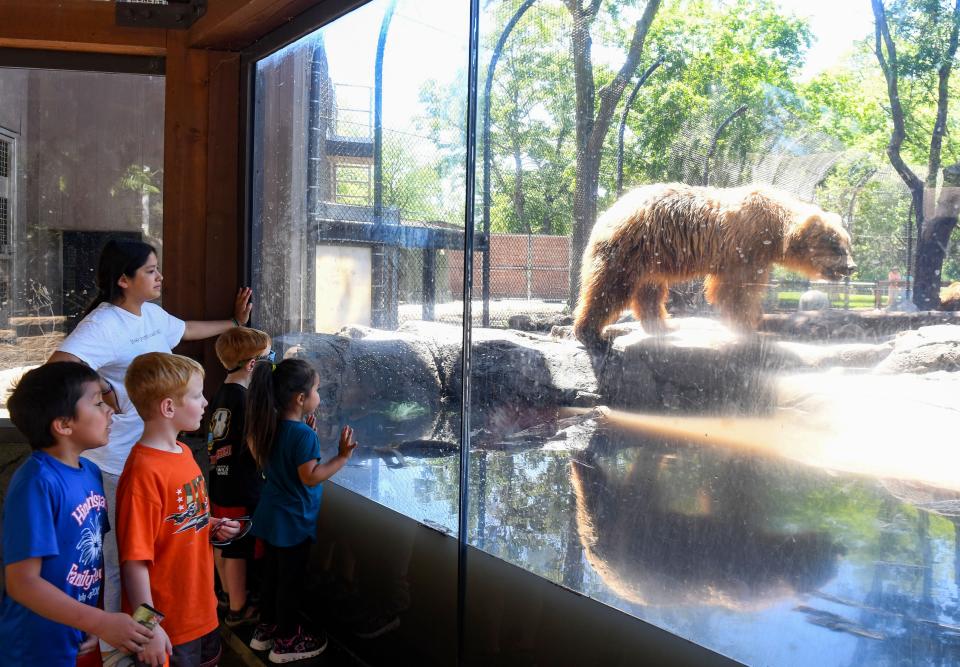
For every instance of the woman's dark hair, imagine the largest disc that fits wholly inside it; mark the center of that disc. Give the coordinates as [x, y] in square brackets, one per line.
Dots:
[47, 393]
[119, 257]
[272, 389]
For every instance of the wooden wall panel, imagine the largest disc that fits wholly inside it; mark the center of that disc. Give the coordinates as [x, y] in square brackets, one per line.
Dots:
[74, 25]
[223, 228]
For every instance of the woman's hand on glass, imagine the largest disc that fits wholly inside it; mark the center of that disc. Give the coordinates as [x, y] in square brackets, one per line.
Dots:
[242, 306]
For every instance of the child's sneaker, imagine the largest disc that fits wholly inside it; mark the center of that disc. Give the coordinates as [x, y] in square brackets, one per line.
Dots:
[263, 636]
[299, 647]
[248, 615]
[371, 626]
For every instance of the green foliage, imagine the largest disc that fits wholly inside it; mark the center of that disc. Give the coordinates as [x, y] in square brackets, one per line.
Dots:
[717, 58]
[416, 186]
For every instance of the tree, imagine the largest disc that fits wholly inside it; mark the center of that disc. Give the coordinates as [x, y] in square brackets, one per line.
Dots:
[532, 123]
[593, 119]
[717, 58]
[928, 32]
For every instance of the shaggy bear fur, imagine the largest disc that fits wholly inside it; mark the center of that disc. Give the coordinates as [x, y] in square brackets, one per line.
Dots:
[669, 232]
[950, 297]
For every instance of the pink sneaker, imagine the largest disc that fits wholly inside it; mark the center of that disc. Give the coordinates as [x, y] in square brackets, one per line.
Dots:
[299, 647]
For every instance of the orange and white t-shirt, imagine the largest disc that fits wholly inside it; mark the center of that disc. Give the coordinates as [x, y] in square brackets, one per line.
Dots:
[163, 517]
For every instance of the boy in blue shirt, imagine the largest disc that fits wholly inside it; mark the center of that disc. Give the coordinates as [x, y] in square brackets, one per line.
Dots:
[54, 519]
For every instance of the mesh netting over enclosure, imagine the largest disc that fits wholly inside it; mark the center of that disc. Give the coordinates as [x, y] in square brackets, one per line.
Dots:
[387, 171]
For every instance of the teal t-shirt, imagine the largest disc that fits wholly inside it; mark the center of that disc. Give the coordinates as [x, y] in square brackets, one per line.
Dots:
[287, 512]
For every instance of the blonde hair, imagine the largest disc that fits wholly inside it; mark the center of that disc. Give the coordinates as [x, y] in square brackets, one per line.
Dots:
[240, 344]
[154, 376]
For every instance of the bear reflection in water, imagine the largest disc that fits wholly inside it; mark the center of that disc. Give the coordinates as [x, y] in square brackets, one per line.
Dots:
[664, 533]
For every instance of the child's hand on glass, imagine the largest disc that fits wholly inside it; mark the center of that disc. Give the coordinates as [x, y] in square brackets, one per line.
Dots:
[347, 443]
[311, 421]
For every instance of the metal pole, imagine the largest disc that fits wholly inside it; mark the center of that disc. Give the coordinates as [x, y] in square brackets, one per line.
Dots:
[487, 86]
[381, 255]
[716, 137]
[623, 119]
[469, 220]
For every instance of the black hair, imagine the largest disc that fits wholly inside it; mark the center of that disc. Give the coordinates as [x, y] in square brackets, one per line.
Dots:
[119, 257]
[47, 393]
[272, 389]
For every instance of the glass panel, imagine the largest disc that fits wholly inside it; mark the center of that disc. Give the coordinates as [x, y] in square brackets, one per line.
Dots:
[763, 463]
[351, 265]
[81, 161]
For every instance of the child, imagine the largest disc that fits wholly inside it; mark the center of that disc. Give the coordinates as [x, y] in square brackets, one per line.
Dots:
[120, 324]
[234, 479]
[287, 450]
[163, 520]
[54, 520]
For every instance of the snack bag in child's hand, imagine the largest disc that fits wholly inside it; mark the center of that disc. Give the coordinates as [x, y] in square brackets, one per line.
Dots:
[146, 616]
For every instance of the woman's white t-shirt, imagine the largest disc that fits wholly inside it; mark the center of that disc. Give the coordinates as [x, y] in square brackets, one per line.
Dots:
[107, 340]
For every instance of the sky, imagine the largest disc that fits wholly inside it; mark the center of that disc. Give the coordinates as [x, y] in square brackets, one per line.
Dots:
[836, 25]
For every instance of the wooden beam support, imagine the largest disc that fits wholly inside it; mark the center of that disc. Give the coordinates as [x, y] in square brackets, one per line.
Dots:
[74, 25]
[224, 228]
[201, 222]
[185, 183]
[235, 24]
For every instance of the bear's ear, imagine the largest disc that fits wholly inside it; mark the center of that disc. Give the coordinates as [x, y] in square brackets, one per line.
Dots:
[807, 230]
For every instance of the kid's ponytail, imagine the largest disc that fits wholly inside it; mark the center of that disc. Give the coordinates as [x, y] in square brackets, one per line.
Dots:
[272, 390]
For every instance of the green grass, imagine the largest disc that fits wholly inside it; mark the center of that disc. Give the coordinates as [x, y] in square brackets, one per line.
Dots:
[790, 300]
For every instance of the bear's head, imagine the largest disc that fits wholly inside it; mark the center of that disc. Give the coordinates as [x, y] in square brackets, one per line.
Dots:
[817, 245]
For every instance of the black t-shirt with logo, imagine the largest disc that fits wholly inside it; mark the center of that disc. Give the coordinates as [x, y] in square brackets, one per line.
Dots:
[235, 480]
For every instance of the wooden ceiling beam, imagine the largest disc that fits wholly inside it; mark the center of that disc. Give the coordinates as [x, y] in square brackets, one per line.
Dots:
[74, 25]
[232, 25]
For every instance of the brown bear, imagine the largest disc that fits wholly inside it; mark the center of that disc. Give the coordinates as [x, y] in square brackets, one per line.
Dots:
[950, 297]
[669, 232]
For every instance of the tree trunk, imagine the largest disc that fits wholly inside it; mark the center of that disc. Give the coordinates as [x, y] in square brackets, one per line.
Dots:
[584, 204]
[933, 242]
[592, 125]
[584, 216]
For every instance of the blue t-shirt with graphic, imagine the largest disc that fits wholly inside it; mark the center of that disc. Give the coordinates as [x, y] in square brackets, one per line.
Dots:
[287, 513]
[59, 514]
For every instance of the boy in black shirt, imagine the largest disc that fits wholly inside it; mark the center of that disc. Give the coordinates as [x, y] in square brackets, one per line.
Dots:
[235, 481]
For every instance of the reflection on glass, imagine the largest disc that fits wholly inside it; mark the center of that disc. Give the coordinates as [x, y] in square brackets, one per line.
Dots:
[358, 224]
[756, 453]
[81, 161]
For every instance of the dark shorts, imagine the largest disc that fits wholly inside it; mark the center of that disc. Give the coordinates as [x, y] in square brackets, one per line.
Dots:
[244, 548]
[202, 652]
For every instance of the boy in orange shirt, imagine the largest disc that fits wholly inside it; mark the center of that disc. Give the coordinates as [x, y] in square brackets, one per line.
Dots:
[163, 516]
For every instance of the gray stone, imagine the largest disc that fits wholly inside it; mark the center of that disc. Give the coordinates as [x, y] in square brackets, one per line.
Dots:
[813, 299]
[844, 355]
[835, 324]
[925, 350]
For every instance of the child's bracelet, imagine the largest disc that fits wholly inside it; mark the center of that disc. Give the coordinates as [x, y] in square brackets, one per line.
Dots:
[235, 323]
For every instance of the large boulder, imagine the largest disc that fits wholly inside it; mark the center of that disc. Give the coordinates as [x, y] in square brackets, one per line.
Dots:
[401, 382]
[699, 365]
[928, 349]
[847, 325]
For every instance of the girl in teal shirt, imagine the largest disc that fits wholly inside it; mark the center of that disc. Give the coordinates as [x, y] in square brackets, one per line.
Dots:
[287, 450]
